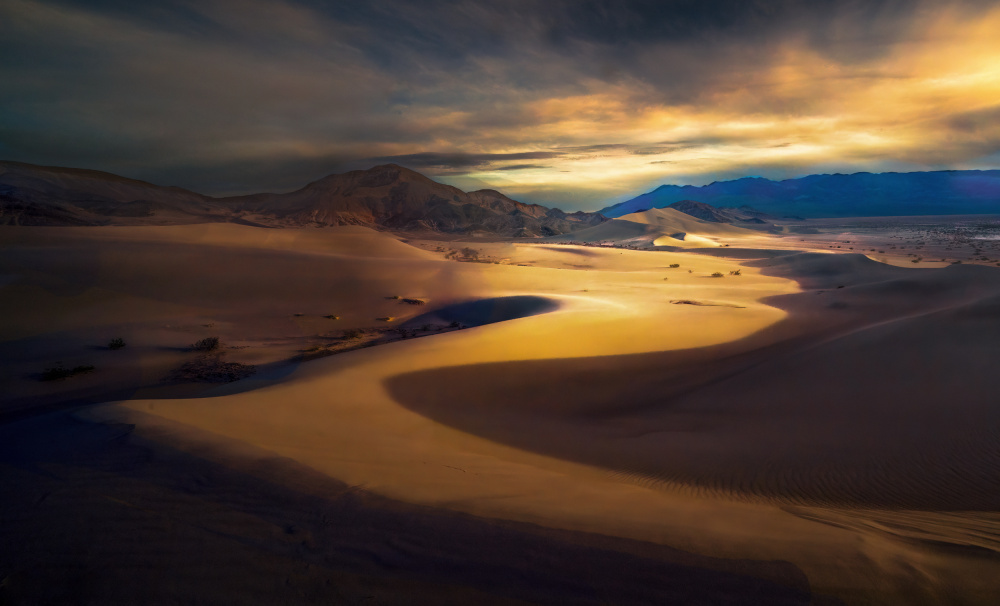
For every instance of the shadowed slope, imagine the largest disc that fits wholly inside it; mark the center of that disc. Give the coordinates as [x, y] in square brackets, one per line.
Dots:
[875, 394]
[488, 311]
[103, 514]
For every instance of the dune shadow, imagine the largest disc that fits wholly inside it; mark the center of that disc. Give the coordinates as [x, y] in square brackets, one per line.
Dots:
[480, 312]
[273, 531]
[886, 401]
[573, 251]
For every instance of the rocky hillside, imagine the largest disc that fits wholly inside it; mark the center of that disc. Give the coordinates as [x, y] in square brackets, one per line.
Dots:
[393, 197]
[44, 195]
[384, 197]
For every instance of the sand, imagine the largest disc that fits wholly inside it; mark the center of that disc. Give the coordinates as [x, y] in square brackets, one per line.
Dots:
[822, 410]
[659, 227]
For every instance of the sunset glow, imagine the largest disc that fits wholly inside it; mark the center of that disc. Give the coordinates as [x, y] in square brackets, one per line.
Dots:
[226, 99]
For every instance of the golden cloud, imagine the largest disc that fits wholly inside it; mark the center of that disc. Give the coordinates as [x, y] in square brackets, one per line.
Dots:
[926, 101]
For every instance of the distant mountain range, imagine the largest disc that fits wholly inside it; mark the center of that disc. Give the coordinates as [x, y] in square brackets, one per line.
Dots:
[383, 197]
[857, 195]
[747, 216]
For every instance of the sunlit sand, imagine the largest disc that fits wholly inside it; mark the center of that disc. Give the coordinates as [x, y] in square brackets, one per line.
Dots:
[770, 406]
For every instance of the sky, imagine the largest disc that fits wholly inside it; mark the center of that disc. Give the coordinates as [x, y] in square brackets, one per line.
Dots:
[568, 103]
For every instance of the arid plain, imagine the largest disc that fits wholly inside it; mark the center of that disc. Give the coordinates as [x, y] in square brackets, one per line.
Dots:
[609, 416]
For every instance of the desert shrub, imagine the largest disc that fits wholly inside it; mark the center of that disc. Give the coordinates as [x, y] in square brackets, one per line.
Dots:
[332, 317]
[352, 333]
[206, 344]
[212, 369]
[116, 343]
[736, 272]
[675, 265]
[414, 301]
[470, 253]
[385, 319]
[718, 274]
[59, 372]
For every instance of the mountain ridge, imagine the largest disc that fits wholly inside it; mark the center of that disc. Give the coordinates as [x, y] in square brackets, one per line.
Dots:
[838, 194]
[387, 196]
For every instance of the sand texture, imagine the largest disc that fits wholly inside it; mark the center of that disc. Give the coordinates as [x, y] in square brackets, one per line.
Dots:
[813, 427]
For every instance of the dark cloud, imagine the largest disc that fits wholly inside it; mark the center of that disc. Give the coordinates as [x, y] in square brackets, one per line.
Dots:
[228, 96]
[521, 166]
[460, 160]
[977, 121]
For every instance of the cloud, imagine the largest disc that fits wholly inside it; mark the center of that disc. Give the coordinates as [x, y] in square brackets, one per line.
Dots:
[569, 101]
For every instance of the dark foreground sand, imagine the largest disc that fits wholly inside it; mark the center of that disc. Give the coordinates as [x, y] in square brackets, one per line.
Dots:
[95, 513]
[819, 428]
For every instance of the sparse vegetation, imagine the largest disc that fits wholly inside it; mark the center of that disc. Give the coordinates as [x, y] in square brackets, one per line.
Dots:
[351, 333]
[212, 369]
[704, 303]
[206, 344]
[386, 319]
[332, 317]
[736, 272]
[718, 274]
[675, 265]
[57, 373]
[116, 343]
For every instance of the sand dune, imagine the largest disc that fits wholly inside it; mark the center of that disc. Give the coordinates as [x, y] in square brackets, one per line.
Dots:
[659, 227]
[838, 416]
[672, 220]
[812, 409]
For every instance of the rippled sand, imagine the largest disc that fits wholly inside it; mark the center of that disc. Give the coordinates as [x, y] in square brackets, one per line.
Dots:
[821, 410]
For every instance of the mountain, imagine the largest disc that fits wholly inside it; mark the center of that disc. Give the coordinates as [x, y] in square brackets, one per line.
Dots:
[857, 195]
[393, 197]
[383, 197]
[45, 195]
[745, 216]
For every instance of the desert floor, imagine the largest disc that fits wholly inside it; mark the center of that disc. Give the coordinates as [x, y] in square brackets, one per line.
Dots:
[495, 422]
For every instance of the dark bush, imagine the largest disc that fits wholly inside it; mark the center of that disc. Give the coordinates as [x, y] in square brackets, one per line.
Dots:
[206, 344]
[116, 343]
[213, 369]
[58, 372]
